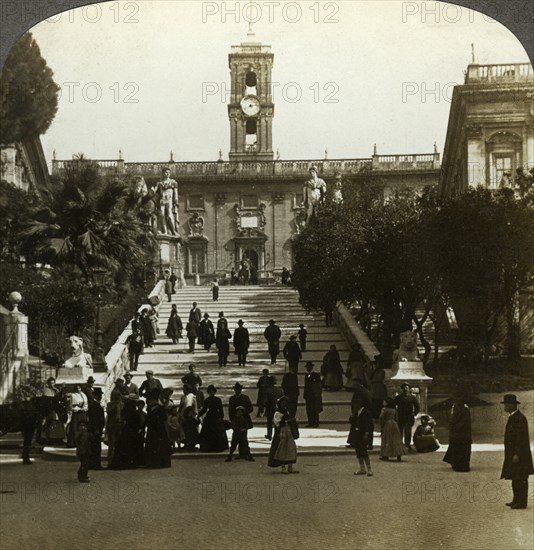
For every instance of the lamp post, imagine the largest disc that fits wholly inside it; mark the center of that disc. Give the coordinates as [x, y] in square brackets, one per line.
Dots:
[99, 360]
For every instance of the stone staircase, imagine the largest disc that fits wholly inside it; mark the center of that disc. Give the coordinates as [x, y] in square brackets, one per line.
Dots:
[255, 305]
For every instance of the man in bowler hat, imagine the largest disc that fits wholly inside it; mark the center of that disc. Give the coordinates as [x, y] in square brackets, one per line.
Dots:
[517, 464]
[313, 395]
[407, 409]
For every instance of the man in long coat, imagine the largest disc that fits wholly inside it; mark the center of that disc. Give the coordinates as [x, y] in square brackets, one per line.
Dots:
[272, 334]
[292, 353]
[517, 464]
[407, 409]
[313, 395]
[195, 315]
[241, 343]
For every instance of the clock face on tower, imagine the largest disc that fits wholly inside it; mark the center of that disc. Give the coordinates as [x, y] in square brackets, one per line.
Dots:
[250, 105]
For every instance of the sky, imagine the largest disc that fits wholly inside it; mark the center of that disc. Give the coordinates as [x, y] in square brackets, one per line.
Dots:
[148, 77]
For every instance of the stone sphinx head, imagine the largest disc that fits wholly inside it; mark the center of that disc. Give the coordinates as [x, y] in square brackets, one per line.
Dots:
[408, 340]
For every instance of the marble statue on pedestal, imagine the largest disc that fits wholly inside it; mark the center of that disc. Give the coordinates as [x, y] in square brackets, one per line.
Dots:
[313, 192]
[167, 191]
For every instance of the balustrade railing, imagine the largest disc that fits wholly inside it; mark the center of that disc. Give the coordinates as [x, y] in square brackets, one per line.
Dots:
[504, 72]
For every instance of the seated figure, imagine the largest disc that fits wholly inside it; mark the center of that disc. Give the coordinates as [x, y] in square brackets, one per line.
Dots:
[423, 438]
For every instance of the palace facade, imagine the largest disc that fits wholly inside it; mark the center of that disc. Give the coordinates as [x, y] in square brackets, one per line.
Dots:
[250, 206]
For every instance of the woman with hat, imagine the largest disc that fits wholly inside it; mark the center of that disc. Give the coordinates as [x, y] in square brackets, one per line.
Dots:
[283, 448]
[458, 454]
[213, 437]
[126, 450]
[391, 444]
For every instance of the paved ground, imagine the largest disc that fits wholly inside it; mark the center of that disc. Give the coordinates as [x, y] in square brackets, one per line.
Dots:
[205, 504]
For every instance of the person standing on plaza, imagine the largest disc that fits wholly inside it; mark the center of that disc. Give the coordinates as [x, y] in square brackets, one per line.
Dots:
[272, 394]
[290, 387]
[215, 290]
[313, 395]
[239, 435]
[517, 465]
[273, 334]
[292, 353]
[241, 343]
[361, 428]
[378, 391]
[234, 280]
[206, 335]
[303, 334]
[239, 399]
[391, 440]
[173, 278]
[458, 453]
[222, 342]
[363, 395]
[96, 423]
[83, 450]
[174, 325]
[407, 409]
[78, 405]
[195, 315]
[283, 451]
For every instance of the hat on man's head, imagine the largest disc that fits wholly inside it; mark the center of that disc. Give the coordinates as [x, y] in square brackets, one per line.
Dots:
[212, 388]
[206, 315]
[271, 321]
[301, 325]
[149, 372]
[265, 371]
[405, 385]
[240, 322]
[309, 364]
[221, 313]
[90, 379]
[128, 375]
[98, 391]
[238, 386]
[510, 399]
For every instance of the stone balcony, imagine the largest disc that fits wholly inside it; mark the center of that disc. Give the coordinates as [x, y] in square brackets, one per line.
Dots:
[499, 73]
[272, 169]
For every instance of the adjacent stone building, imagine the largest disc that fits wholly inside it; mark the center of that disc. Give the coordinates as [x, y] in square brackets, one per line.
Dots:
[491, 128]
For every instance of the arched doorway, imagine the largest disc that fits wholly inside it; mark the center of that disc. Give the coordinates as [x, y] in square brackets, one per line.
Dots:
[252, 257]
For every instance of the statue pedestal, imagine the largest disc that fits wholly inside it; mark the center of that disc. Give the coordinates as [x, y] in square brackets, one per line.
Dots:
[74, 375]
[412, 373]
[169, 250]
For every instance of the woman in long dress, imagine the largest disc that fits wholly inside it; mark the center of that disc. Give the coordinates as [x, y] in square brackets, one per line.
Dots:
[356, 368]
[458, 453]
[283, 448]
[174, 325]
[391, 444]
[158, 447]
[213, 437]
[333, 371]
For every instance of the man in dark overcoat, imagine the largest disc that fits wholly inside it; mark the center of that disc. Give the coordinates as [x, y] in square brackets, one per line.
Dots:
[517, 464]
[195, 315]
[97, 422]
[407, 409]
[272, 394]
[313, 395]
[241, 343]
[272, 334]
[290, 386]
[292, 353]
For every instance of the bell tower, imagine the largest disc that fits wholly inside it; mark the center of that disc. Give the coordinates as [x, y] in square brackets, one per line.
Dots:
[251, 108]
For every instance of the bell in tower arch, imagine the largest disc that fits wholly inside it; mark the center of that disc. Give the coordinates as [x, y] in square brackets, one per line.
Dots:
[251, 82]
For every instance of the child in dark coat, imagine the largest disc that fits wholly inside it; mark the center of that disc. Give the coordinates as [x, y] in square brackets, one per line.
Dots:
[83, 450]
[239, 433]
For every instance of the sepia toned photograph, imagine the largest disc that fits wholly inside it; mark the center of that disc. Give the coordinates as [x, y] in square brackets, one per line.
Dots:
[266, 274]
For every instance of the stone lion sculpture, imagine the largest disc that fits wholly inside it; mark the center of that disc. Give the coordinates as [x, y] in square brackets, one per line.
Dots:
[78, 357]
[407, 350]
